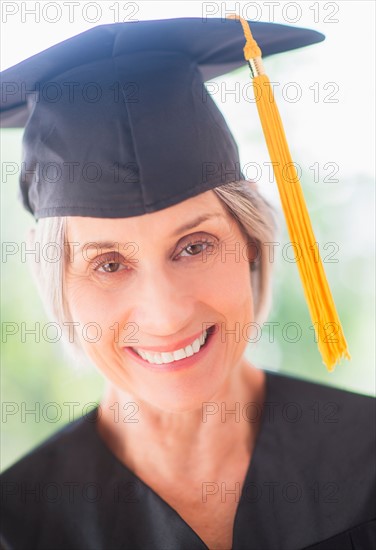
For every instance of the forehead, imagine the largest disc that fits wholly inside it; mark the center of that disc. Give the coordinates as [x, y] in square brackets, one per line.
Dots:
[165, 221]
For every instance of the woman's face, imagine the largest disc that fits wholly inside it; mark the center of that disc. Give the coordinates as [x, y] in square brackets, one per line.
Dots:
[154, 283]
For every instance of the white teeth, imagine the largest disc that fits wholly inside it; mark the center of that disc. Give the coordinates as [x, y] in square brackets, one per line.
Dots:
[171, 356]
[142, 353]
[180, 354]
[188, 351]
[196, 345]
[166, 357]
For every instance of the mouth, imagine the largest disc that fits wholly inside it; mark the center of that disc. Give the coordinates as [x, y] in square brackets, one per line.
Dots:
[176, 359]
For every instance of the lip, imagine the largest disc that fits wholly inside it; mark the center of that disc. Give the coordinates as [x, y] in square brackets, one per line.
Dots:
[172, 347]
[181, 363]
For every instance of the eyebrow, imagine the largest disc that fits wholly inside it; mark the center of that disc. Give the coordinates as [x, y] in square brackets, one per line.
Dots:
[106, 245]
[194, 223]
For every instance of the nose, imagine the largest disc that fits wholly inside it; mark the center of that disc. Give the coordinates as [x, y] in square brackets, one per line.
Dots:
[164, 303]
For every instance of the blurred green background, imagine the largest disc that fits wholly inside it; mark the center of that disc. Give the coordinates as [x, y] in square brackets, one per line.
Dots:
[342, 212]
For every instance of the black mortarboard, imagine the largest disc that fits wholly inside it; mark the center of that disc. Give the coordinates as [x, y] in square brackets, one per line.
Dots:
[117, 121]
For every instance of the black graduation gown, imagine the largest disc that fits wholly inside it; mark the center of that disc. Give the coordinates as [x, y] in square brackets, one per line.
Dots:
[310, 484]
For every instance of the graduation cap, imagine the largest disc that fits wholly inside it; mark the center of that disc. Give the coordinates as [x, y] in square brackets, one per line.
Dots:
[117, 120]
[118, 124]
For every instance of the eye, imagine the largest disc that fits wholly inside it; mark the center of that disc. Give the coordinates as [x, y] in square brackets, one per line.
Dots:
[197, 247]
[109, 267]
[109, 263]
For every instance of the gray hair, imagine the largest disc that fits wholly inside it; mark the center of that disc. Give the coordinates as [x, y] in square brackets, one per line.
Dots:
[241, 199]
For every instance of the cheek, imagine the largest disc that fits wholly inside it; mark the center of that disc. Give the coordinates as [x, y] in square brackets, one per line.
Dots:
[95, 309]
[229, 286]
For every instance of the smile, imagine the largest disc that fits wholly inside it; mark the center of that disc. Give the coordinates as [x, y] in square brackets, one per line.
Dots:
[159, 358]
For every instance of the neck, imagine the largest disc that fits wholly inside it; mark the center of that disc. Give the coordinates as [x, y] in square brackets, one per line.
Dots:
[200, 441]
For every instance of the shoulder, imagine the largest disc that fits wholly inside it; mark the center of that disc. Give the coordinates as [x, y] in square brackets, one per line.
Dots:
[328, 404]
[55, 453]
[330, 429]
[42, 489]
[316, 450]
[326, 437]
[343, 422]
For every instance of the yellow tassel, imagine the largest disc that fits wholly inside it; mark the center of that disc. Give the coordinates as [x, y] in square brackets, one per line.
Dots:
[329, 334]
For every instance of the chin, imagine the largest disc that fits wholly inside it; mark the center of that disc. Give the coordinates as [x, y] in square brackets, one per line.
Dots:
[183, 402]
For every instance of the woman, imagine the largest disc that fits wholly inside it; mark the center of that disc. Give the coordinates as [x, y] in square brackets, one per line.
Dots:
[134, 173]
